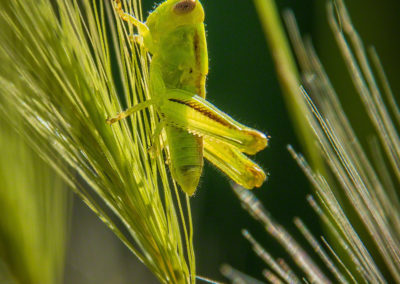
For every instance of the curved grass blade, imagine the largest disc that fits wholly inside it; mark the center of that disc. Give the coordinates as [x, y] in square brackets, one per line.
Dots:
[65, 66]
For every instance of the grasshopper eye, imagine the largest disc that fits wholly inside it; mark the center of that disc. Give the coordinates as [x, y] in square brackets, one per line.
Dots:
[184, 6]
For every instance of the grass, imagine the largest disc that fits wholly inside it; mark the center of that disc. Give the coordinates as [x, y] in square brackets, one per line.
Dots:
[34, 205]
[67, 66]
[355, 197]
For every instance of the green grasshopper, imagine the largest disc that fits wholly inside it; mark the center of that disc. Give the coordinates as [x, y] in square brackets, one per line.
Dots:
[175, 36]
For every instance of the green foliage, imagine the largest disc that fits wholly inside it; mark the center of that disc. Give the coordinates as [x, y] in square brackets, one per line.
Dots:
[64, 67]
[357, 197]
[34, 214]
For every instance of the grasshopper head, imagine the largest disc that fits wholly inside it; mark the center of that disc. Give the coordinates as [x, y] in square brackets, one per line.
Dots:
[174, 13]
[186, 11]
[184, 7]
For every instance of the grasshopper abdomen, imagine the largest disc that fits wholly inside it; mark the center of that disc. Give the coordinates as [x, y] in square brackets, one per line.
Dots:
[186, 158]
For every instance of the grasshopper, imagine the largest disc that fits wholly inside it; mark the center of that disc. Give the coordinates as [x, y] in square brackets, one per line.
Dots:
[174, 34]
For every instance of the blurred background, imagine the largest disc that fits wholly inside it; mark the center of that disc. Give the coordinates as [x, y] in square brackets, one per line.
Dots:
[242, 82]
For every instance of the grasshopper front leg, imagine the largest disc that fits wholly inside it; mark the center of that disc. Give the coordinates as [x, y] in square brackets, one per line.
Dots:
[129, 111]
[155, 138]
[193, 113]
[144, 37]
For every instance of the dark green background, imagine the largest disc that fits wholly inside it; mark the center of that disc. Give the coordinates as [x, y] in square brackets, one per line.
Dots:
[242, 82]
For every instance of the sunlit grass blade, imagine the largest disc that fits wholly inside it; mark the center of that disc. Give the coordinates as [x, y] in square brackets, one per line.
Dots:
[323, 255]
[67, 67]
[34, 210]
[237, 276]
[345, 156]
[298, 254]
[287, 73]
[358, 201]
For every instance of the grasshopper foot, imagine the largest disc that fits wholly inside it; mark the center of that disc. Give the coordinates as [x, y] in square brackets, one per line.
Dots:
[112, 120]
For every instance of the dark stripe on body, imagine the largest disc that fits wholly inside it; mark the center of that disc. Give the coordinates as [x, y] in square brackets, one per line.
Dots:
[205, 112]
[199, 80]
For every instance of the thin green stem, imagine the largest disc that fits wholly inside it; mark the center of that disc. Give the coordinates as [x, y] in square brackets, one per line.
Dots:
[288, 74]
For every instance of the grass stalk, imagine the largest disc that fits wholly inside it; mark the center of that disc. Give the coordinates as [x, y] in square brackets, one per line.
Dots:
[34, 210]
[69, 65]
[287, 73]
[359, 203]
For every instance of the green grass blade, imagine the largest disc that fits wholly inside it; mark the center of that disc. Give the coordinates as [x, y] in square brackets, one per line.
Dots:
[69, 67]
[34, 210]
